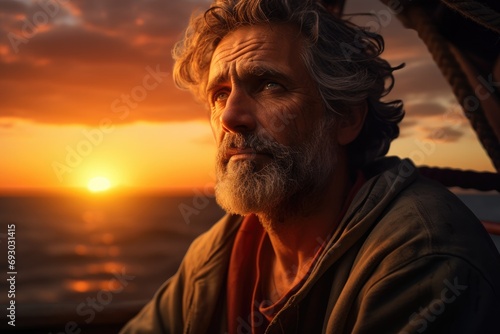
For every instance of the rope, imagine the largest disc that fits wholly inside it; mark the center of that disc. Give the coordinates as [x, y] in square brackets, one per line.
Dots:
[466, 179]
[491, 227]
[451, 70]
[476, 12]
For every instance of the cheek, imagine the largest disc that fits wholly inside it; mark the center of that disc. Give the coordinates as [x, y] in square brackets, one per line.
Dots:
[311, 113]
[288, 121]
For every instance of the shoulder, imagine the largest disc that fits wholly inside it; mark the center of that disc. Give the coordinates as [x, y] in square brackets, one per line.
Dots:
[426, 222]
[214, 245]
[428, 209]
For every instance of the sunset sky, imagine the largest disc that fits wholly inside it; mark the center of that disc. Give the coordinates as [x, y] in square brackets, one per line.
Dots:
[86, 91]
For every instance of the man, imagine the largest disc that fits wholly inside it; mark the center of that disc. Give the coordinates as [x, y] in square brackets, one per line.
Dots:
[323, 234]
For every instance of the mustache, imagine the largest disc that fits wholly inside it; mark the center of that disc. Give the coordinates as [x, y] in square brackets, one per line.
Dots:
[253, 141]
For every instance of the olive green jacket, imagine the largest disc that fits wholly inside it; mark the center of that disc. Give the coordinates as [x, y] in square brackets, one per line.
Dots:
[408, 257]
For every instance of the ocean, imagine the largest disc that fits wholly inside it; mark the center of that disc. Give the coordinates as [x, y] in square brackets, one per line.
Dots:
[69, 248]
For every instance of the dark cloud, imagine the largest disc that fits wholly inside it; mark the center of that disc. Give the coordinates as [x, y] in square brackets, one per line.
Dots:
[446, 134]
[425, 109]
[121, 96]
[407, 123]
[130, 17]
[421, 79]
[82, 46]
[12, 7]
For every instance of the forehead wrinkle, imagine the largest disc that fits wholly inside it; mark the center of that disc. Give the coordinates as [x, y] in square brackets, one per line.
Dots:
[235, 50]
[254, 45]
[240, 55]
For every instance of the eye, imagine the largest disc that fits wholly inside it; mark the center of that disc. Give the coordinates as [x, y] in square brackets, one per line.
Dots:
[271, 85]
[220, 96]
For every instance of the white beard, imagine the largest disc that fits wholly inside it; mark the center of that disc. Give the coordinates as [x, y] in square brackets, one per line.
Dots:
[288, 185]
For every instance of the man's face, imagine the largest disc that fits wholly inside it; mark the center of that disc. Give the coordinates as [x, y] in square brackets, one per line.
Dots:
[267, 118]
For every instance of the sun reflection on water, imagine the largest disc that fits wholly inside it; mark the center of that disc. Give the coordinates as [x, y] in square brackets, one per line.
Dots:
[107, 269]
[78, 285]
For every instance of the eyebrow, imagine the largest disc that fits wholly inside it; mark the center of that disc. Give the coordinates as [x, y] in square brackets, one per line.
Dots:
[261, 71]
[258, 71]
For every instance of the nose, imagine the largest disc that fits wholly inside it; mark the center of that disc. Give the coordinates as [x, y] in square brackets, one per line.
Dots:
[238, 115]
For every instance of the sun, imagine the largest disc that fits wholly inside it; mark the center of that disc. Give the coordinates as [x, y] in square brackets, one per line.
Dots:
[98, 184]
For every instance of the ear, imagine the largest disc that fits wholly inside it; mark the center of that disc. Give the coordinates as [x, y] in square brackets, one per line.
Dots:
[351, 124]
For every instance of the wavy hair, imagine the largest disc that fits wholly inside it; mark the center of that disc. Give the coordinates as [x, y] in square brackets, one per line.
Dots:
[342, 58]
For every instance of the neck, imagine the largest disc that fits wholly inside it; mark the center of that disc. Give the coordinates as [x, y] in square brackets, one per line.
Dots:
[295, 240]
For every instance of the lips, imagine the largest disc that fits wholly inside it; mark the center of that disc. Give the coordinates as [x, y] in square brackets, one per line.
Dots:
[246, 153]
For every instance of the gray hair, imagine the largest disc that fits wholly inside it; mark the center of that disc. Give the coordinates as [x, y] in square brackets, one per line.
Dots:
[341, 57]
